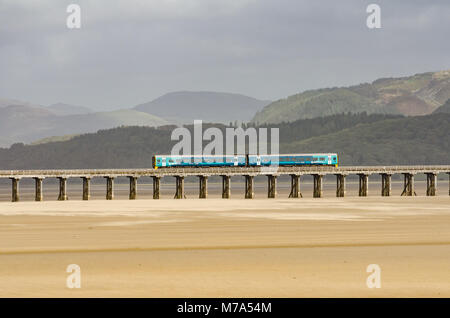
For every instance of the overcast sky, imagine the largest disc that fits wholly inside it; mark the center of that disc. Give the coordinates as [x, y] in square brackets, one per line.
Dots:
[129, 52]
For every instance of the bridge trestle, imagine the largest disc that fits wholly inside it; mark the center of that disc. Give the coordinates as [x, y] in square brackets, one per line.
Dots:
[340, 185]
[386, 184]
[271, 186]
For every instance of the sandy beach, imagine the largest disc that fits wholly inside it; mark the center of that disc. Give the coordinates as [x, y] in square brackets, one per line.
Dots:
[227, 248]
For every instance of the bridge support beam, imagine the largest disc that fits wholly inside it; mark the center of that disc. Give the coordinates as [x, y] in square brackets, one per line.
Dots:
[133, 187]
[408, 185]
[156, 186]
[226, 187]
[363, 185]
[62, 189]
[38, 196]
[15, 189]
[295, 187]
[385, 184]
[431, 184]
[317, 191]
[179, 187]
[271, 186]
[340, 185]
[109, 188]
[86, 188]
[249, 189]
[203, 190]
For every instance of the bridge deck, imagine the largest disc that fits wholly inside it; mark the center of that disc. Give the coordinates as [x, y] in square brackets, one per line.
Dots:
[230, 171]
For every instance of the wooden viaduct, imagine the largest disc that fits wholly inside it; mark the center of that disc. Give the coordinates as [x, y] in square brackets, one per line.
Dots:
[226, 173]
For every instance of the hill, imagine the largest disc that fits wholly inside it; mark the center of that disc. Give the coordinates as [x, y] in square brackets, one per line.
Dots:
[444, 108]
[20, 123]
[415, 95]
[184, 107]
[359, 139]
[397, 141]
[4, 102]
[62, 109]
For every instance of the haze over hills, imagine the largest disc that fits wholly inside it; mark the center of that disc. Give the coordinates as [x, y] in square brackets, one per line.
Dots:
[28, 123]
[8, 102]
[419, 94]
[19, 123]
[359, 139]
[184, 107]
[63, 109]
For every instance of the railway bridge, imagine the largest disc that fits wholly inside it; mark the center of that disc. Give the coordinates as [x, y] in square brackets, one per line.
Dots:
[295, 173]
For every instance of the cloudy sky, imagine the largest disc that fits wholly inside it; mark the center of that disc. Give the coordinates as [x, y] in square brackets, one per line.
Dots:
[131, 51]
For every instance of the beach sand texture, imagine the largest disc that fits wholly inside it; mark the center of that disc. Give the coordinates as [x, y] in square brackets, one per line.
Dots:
[227, 248]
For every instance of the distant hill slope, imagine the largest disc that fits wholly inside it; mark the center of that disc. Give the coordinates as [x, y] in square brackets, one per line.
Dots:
[402, 141]
[184, 107]
[4, 102]
[359, 139]
[419, 94]
[444, 108]
[27, 124]
[62, 109]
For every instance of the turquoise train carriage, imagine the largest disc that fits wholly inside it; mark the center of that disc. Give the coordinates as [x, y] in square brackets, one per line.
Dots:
[198, 161]
[322, 159]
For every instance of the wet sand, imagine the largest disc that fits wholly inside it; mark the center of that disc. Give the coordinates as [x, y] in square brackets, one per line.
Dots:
[227, 248]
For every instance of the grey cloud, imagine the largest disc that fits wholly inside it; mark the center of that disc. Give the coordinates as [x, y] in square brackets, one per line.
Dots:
[129, 52]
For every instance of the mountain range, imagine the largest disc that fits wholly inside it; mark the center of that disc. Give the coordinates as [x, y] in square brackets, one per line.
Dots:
[30, 123]
[420, 94]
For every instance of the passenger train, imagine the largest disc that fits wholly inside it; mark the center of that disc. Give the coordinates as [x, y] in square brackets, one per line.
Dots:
[316, 159]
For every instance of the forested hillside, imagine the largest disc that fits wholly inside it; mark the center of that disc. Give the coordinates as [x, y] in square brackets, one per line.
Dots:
[359, 139]
[415, 95]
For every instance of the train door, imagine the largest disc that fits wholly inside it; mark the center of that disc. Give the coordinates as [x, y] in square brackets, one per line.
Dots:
[235, 161]
[329, 159]
[163, 161]
[258, 160]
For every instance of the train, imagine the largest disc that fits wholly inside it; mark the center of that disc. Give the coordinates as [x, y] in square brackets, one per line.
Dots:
[189, 161]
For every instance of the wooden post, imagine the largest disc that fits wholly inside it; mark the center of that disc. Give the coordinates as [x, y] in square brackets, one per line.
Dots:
[133, 187]
[86, 188]
[317, 193]
[295, 187]
[38, 189]
[271, 186]
[226, 187]
[408, 185]
[156, 187]
[385, 184]
[62, 189]
[431, 184]
[203, 191]
[340, 185]
[15, 189]
[363, 185]
[179, 194]
[249, 191]
[109, 188]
